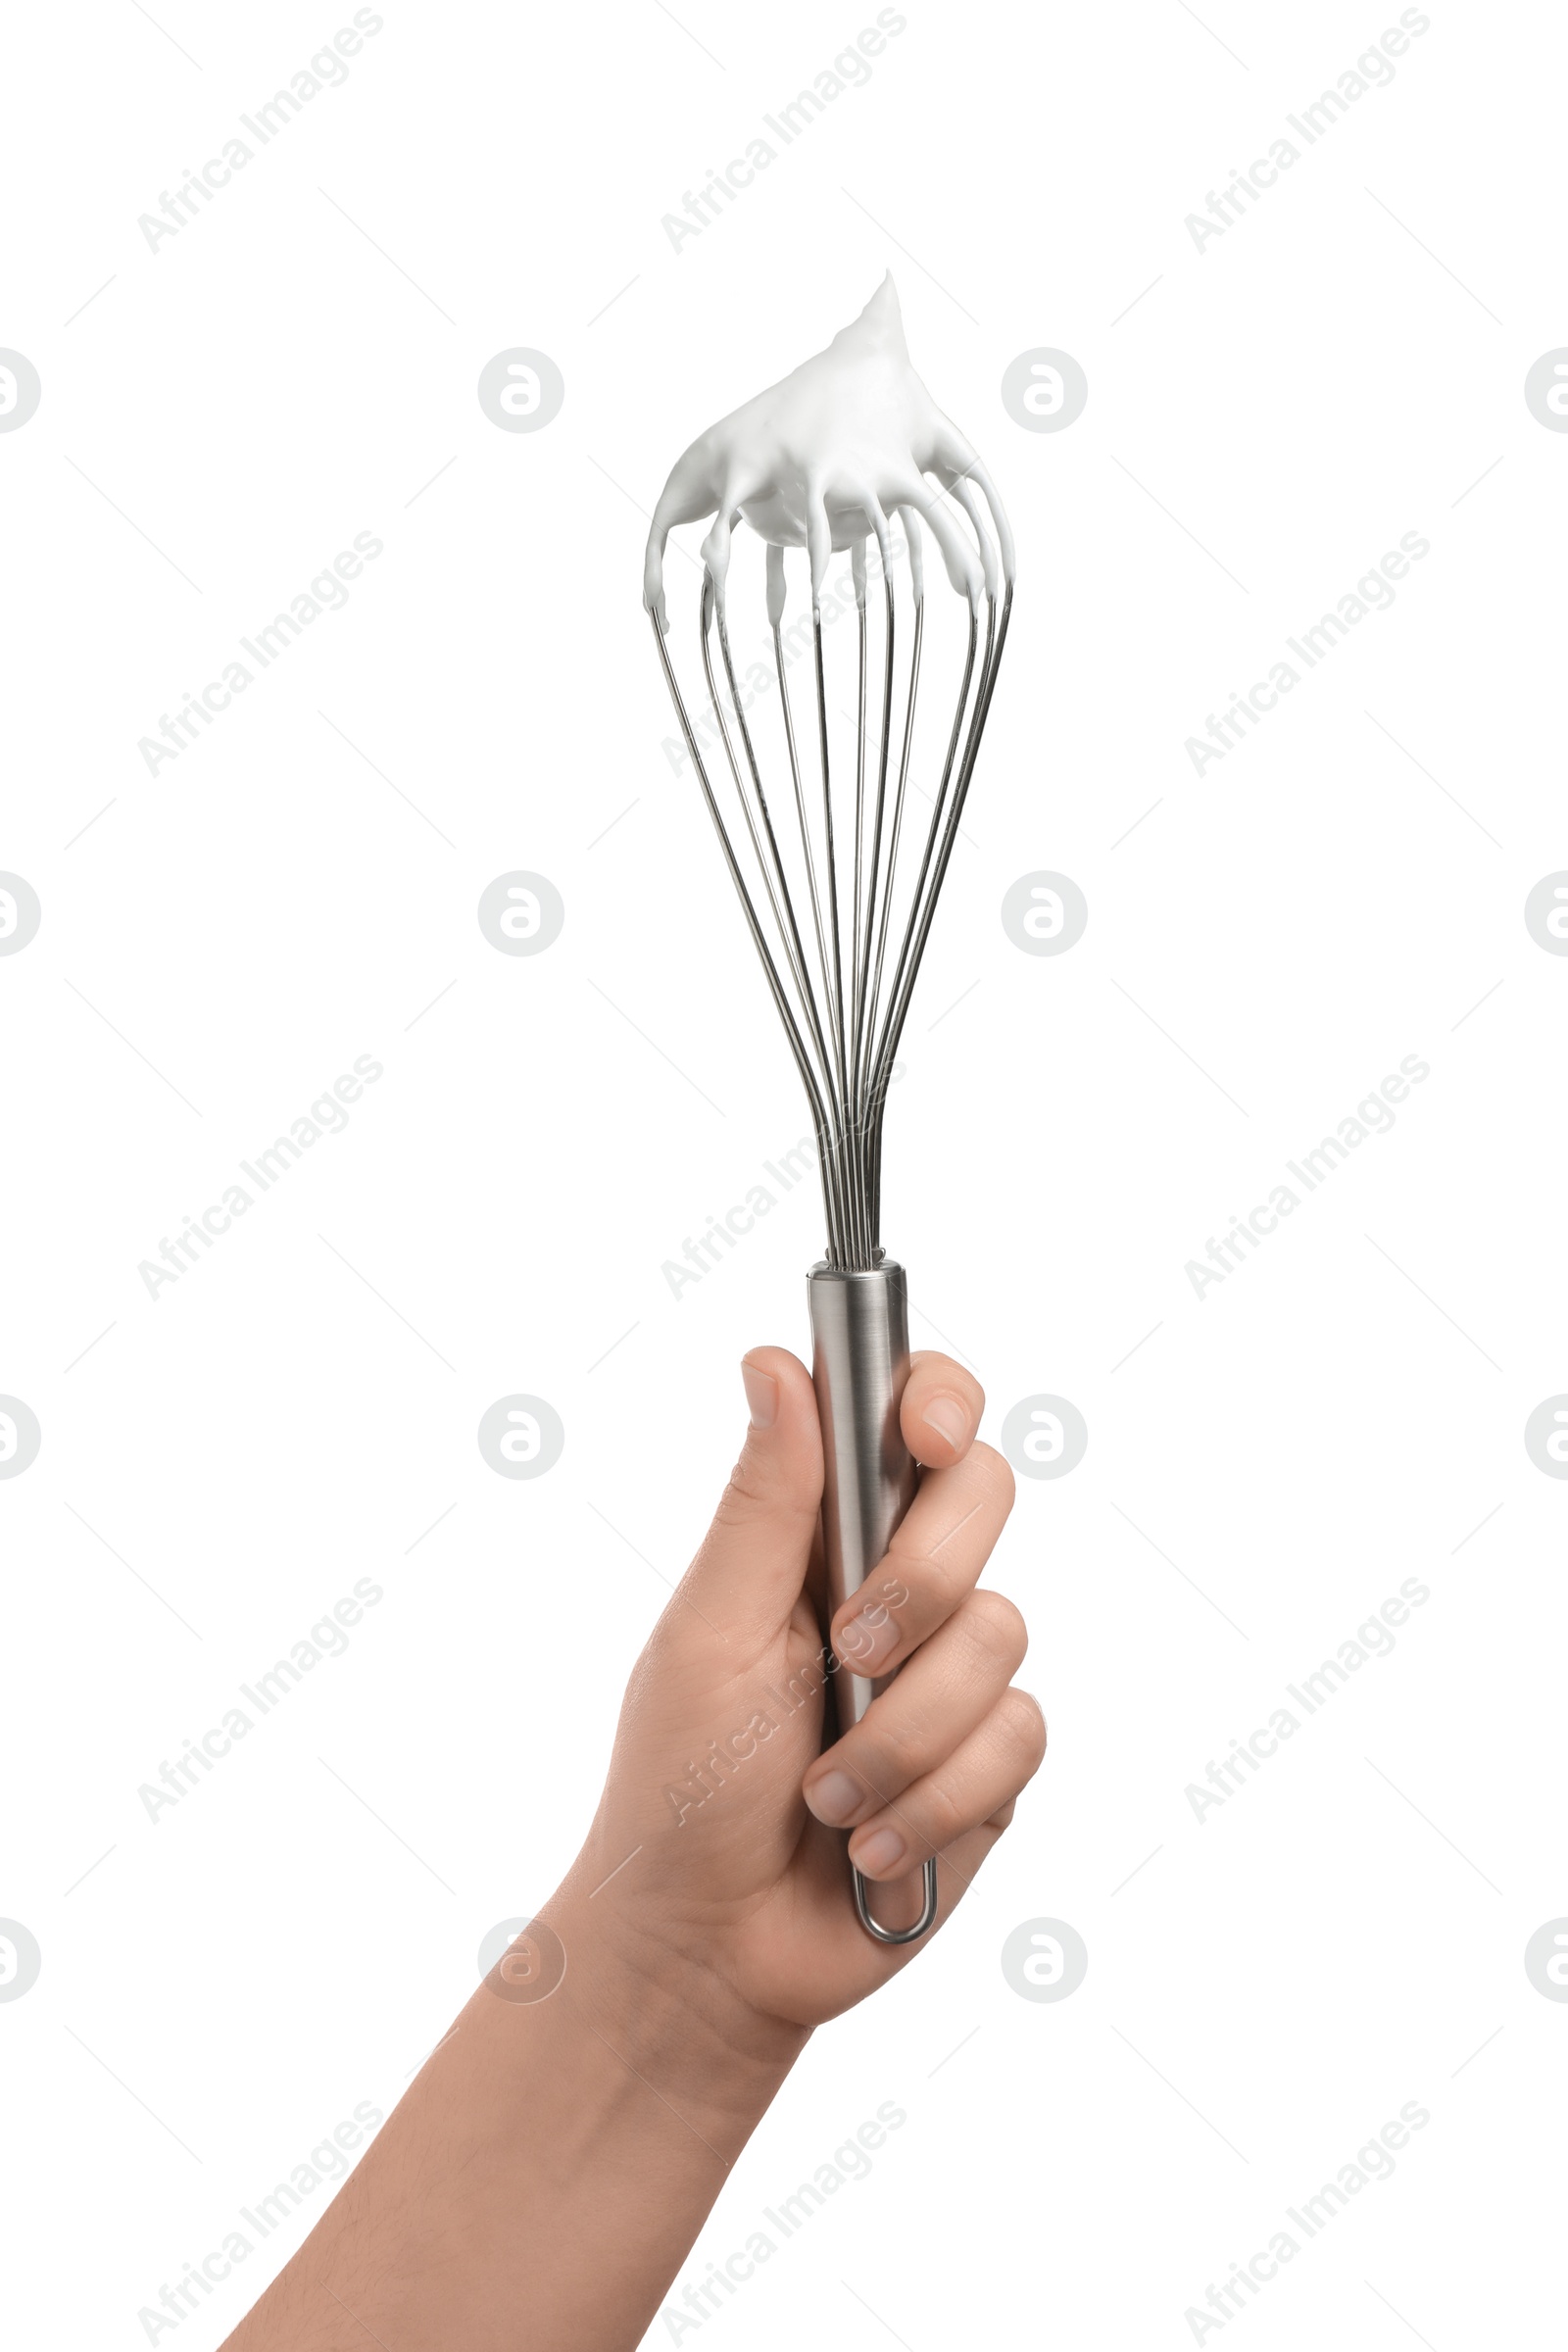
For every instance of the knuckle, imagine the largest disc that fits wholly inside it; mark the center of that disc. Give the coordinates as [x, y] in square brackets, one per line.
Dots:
[995, 1630]
[898, 1751]
[752, 1497]
[941, 1814]
[1021, 1730]
[873, 1761]
[998, 1470]
[743, 1502]
[946, 1583]
[905, 1573]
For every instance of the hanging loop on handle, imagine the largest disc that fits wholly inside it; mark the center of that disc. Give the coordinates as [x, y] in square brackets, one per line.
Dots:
[861, 1361]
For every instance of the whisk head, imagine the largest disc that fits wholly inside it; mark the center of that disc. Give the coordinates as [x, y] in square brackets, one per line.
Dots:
[838, 877]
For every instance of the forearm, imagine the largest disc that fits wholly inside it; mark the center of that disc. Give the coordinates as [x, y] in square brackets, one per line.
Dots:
[543, 2178]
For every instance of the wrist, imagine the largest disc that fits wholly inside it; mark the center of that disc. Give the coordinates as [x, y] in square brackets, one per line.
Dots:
[667, 2010]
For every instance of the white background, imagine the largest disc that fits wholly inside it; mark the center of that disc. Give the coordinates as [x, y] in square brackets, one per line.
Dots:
[1341, 366]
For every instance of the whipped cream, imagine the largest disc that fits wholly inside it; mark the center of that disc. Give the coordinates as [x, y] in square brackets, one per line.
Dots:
[820, 460]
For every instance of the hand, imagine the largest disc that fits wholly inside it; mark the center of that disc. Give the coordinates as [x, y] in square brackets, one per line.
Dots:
[549, 2165]
[713, 1819]
[822, 459]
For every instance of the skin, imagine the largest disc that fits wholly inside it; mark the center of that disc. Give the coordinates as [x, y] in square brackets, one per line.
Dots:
[545, 2176]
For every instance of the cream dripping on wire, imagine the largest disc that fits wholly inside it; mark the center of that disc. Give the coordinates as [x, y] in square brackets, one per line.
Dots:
[822, 459]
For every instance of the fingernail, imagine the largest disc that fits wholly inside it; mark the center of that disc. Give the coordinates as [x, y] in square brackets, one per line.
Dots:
[867, 1640]
[880, 1851]
[833, 1799]
[948, 1417]
[761, 1395]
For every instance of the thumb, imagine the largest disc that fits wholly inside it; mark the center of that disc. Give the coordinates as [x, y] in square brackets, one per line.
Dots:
[752, 1562]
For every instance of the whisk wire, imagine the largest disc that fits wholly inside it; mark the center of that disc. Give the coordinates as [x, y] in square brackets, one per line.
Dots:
[844, 1032]
[826, 1137]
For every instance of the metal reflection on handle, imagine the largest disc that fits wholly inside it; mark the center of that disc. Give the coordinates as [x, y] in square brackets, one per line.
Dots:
[860, 1333]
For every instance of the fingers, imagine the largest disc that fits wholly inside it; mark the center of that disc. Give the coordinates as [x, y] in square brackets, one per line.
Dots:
[980, 1778]
[752, 1562]
[937, 1553]
[940, 1410]
[945, 1693]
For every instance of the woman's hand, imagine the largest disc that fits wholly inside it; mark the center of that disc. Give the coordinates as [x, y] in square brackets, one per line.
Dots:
[719, 1836]
[547, 2171]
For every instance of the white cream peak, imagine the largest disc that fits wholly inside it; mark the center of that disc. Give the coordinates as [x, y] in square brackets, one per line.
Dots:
[820, 460]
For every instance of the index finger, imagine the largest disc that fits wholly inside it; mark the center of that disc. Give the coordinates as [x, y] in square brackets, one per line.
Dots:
[940, 1409]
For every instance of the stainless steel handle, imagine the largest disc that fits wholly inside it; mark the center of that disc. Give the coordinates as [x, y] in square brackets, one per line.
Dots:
[861, 1361]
